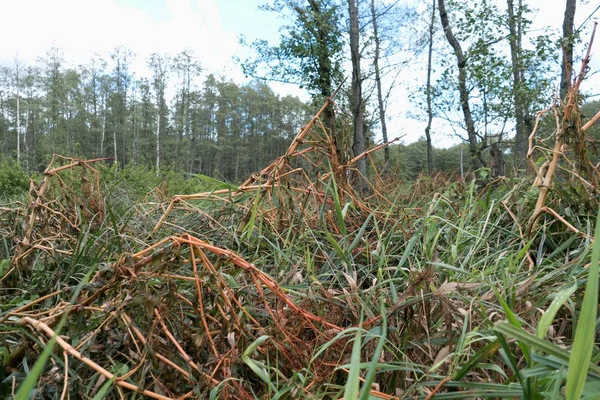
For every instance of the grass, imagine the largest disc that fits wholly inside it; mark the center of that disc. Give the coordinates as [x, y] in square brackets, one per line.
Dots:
[434, 297]
[121, 284]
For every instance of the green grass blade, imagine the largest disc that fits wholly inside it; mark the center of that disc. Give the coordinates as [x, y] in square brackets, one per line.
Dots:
[546, 319]
[482, 354]
[366, 389]
[338, 206]
[352, 385]
[585, 335]
[104, 389]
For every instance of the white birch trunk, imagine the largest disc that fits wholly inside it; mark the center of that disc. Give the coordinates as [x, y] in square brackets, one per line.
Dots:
[158, 140]
[115, 145]
[18, 126]
[103, 128]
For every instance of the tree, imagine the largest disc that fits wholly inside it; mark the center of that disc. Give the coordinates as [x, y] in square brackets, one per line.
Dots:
[476, 162]
[567, 48]
[18, 66]
[357, 101]
[55, 96]
[523, 121]
[309, 52]
[380, 103]
[159, 64]
[428, 90]
[117, 101]
[187, 68]
[95, 81]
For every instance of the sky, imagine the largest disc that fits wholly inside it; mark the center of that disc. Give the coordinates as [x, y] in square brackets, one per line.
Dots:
[209, 27]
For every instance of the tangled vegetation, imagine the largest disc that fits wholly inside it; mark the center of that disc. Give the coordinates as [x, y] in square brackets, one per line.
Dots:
[291, 285]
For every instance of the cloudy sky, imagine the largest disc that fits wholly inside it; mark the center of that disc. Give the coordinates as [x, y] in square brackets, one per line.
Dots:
[210, 27]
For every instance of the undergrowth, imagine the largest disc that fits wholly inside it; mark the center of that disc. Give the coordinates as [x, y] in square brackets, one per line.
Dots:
[419, 288]
[124, 284]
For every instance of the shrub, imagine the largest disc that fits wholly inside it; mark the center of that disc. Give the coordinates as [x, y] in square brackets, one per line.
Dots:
[14, 180]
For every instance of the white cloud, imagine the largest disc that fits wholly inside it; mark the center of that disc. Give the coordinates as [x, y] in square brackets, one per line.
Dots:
[84, 27]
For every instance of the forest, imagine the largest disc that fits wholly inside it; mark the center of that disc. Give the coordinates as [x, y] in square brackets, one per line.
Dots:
[170, 232]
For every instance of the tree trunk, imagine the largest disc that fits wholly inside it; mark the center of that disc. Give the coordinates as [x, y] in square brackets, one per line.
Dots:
[4, 128]
[103, 127]
[428, 89]
[18, 124]
[567, 46]
[462, 87]
[523, 128]
[25, 137]
[386, 149]
[115, 146]
[325, 80]
[357, 102]
[158, 139]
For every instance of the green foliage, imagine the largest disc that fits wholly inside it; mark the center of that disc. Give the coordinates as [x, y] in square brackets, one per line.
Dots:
[406, 161]
[211, 126]
[310, 46]
[138, 182]
[14, 180]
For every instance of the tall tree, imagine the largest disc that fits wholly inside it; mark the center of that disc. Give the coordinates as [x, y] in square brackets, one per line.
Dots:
[476, 162]
[4, 96]
[54, 96]
[523, 121]
[428, 90]
[357, 101]
[117, 101]
[380, 103]
[159, 64]
[188, 69]
[18, 67]
[309, 52]
[567, 48]
[94, 81]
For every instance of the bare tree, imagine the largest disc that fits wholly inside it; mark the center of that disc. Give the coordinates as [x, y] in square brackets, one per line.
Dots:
[428, 90]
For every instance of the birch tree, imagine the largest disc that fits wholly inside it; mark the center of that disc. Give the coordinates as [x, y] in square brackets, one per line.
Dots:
[159, 64]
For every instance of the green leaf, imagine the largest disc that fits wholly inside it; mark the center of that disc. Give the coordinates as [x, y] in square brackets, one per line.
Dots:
[583, 345]
[260, 372]
[352, 385]
[366, 389]
[104, 389]
[338, 205]
[250, 349]
[546, 319]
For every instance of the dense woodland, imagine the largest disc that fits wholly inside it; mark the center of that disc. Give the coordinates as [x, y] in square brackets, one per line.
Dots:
[209, 125]
[488, 71]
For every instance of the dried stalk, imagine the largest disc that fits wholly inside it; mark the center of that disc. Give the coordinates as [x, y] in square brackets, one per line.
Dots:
[42, 327]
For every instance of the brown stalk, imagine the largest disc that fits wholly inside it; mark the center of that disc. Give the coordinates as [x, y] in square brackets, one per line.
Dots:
[560, 139]
[40, 326]
[198, 283]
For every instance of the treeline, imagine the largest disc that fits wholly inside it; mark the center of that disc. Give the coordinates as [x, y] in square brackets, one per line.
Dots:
[178, 118]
